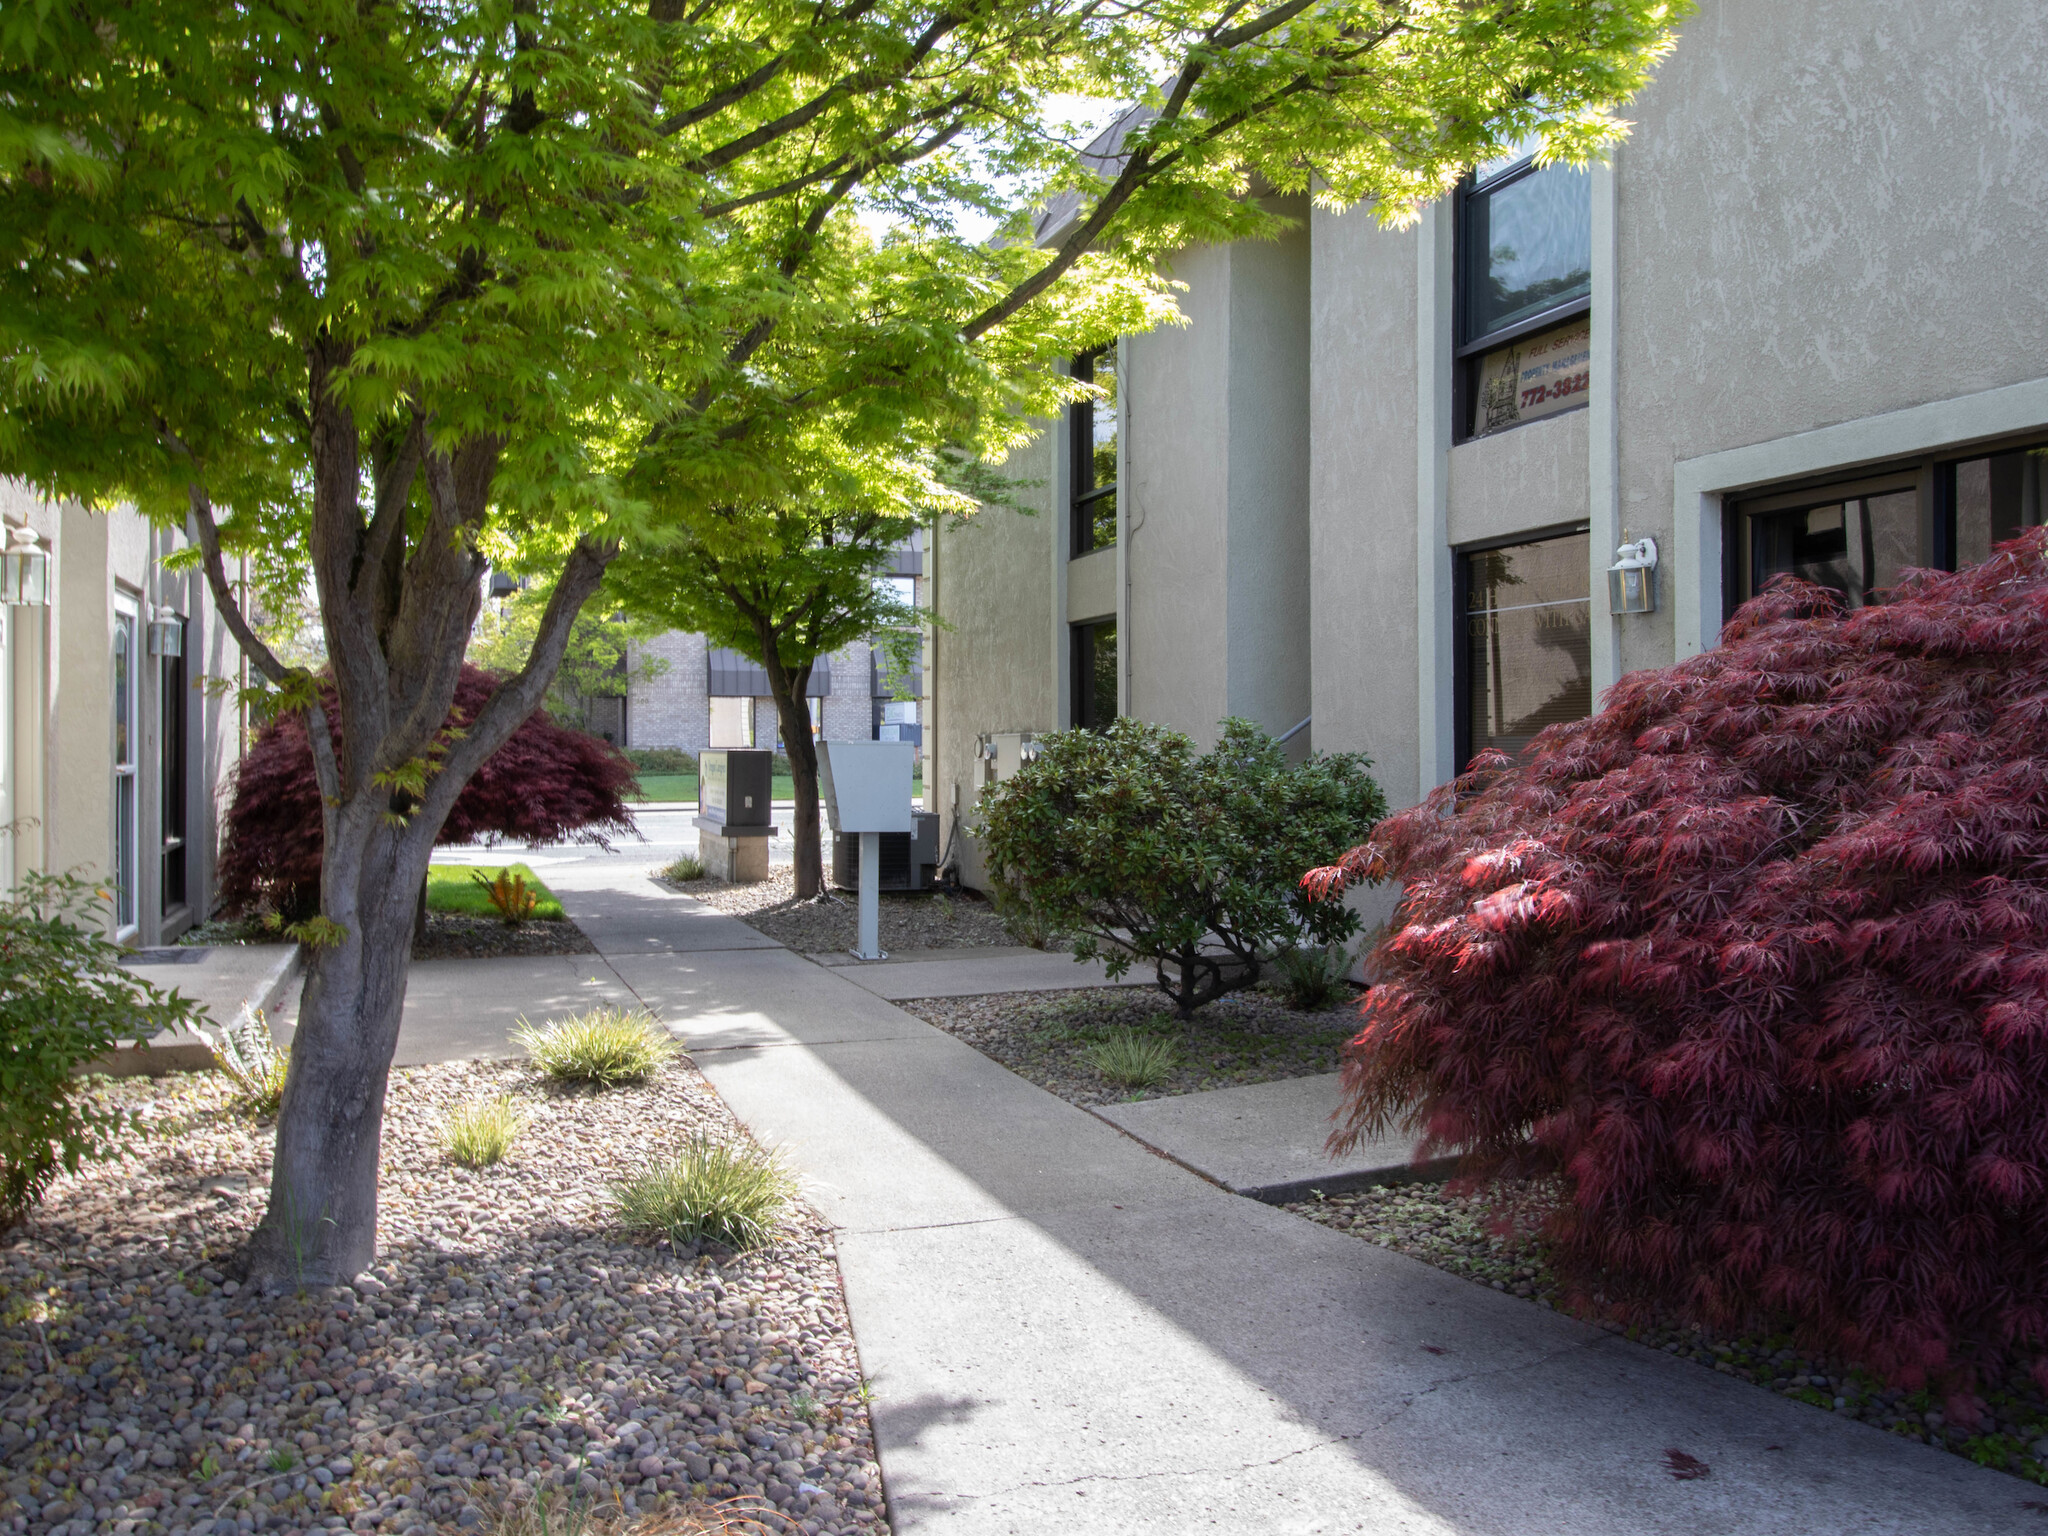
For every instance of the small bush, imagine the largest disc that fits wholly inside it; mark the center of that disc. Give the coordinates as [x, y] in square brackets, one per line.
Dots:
[728, 1192]
[1138, 848]
[467, 890]
[662, 760]
[248, 1055]
[1312, 978]
[684, 870]
[1133, 1060]
[605, 1046]
[64, 1001]
[1753, 958]
[480, 1133]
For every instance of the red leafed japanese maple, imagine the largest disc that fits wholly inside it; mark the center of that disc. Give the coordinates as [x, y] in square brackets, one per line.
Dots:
[1756, 960]
[545, 784]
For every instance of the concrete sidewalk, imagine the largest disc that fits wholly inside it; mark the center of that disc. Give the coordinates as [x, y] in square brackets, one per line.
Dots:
[972, 972]
[1266, 1140]
[1068, 1333]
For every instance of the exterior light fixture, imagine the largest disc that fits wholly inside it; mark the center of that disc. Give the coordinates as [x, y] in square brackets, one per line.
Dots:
[1632, 579]
[25, 572]
[167, 637]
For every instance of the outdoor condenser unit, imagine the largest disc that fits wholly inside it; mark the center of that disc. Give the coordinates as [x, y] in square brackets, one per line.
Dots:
[909, 859]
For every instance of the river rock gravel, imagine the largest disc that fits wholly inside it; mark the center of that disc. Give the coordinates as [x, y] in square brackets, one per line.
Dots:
[908, 920]
[511, 1346]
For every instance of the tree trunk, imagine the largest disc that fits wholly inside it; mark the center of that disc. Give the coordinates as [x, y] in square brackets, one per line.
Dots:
[793, 710]
[321, 1227]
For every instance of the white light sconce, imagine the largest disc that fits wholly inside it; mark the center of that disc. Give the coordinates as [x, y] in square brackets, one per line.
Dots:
[25, 572]
[167, 637]
[1632, 579]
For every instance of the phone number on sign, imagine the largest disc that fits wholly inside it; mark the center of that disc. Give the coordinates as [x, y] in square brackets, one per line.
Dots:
[1538, 393]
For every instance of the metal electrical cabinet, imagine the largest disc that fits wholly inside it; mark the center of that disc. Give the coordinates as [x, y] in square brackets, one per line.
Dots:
[908, 859]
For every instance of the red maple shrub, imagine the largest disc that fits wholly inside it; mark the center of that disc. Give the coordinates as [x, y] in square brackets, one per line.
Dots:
[545, 784]
[1755, 962]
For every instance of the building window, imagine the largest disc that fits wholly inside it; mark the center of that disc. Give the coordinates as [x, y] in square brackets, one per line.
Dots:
[1859, 536]
[1094, 648]
[732, 722]
[127, 689]
[1524, 256]
[1092, 427]
[1527, 659]
[174, 710]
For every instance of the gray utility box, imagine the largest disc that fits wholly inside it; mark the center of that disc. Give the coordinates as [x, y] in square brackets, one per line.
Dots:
[734, 793]
[909, 860]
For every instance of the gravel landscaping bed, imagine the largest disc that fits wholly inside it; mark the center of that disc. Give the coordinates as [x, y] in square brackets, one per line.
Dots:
[1463, 1234]
[1247, 1037]
[925, 920]
[447, 936]
[511, 1345]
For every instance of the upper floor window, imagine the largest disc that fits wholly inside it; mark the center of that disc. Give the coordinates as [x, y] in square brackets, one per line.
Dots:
[1524, 251]
[1092, 427]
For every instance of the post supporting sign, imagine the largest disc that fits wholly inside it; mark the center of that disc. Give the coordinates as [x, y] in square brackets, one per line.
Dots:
[867, 792]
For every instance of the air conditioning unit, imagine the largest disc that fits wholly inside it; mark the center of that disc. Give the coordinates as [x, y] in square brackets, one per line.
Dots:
[908, 859]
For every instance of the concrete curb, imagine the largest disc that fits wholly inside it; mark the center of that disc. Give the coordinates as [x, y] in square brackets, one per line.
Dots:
[184, 1053]
[1347, 1180]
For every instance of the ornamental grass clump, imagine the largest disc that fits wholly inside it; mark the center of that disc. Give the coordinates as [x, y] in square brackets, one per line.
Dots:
[247, 1054]
[603, 1046]
[1131, 1059]
[1757, 960]
[480, 1133]
[728, 1192]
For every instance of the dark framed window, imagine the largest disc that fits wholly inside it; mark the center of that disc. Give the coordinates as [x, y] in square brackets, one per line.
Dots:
[174, 705]
[1859, 535]
[1092, 430]
[1094, 651]
[1524, 259]
[1526, 660]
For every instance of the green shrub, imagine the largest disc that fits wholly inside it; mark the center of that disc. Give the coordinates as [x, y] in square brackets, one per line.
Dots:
[249, 1057]
[467, 889]
[662, 760]
[605, 1046]
[481, 1132]
[728, 1192]
[1136, 847]
[684, 870]
[1133, 1060]
[64, 1001]
[1312, 978]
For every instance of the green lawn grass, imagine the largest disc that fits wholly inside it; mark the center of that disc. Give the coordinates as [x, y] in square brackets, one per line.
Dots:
[450, 889]
[683, 786]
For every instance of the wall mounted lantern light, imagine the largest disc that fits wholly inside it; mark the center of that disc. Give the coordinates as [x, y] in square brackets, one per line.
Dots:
[25, 571]
[1632, 579]
[167, 637]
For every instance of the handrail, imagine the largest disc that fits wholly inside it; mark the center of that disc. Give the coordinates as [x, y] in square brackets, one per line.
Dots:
[1282, 741]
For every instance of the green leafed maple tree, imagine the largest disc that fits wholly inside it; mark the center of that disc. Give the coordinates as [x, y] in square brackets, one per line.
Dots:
[379, 291]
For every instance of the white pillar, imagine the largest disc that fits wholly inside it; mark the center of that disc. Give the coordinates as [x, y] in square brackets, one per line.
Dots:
[870, 947]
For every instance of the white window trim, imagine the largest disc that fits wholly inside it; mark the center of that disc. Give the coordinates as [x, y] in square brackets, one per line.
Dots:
[128, 606]
[1701, 486]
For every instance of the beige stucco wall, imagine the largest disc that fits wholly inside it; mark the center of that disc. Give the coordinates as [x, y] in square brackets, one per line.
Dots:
[989, 664]
[1362, 473]
[1827, 211]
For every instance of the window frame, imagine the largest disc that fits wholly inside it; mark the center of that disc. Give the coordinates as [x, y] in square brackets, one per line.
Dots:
[174, 734]
[1461, 604]
[1081, 456]
[1081, 653]
[125, 721]
[1932, 474]
[1468, 351]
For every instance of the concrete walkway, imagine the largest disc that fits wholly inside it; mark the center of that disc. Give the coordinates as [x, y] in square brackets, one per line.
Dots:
[1266, 1140]
[1067, 1332]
